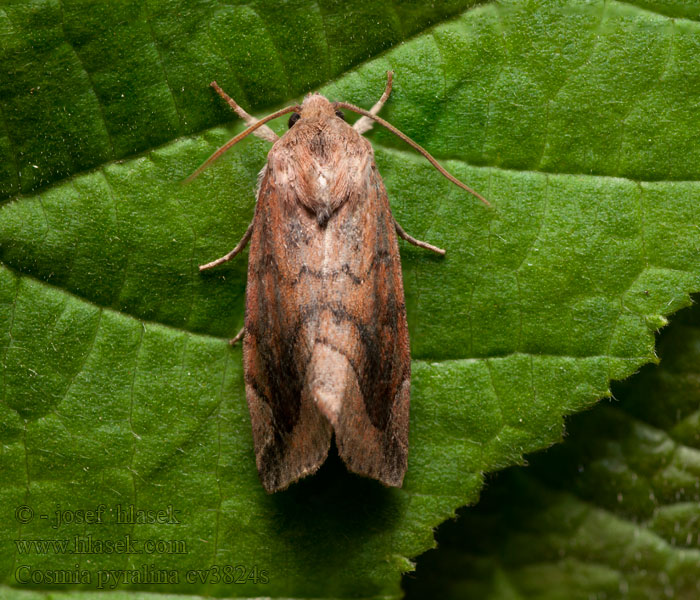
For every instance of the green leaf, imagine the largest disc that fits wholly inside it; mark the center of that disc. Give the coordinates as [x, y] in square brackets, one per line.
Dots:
[611, 513]
[575, 119]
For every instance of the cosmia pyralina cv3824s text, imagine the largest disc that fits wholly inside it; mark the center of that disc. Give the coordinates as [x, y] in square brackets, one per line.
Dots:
[325, 341]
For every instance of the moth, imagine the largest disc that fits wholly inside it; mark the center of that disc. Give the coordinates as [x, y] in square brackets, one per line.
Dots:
[325, 340]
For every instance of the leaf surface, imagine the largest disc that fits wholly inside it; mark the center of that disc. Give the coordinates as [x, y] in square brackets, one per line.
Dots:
[575, 119]
[611, 513]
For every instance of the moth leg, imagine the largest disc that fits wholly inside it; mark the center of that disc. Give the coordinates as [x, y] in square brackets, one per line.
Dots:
[264, 132]
[239, 335]
[411, 240]
[242, 244]
[364, 124]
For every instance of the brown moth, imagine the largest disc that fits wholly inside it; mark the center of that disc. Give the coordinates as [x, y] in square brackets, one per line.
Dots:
[325, 341]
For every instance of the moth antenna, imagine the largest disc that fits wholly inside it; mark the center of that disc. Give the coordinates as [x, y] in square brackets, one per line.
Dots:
[264, 133]
[239, 137]
[408, 140]
[364, 124]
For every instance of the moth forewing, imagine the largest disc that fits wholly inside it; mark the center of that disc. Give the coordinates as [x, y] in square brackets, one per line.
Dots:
[325, 344]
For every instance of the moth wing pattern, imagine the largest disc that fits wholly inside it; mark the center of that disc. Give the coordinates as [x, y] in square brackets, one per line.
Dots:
[363, 335]
[291, 437]
[326, 347]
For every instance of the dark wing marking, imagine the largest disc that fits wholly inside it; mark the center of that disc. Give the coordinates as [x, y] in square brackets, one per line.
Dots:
[360, 365]
[290, 435]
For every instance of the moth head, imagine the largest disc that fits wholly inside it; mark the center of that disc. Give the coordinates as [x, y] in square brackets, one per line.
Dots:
[316, 106]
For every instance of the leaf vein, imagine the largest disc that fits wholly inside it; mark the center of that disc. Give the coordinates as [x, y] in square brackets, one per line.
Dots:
[90, 82]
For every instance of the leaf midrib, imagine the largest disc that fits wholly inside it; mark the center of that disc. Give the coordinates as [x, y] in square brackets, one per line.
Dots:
[406, 155]
[352, 67]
